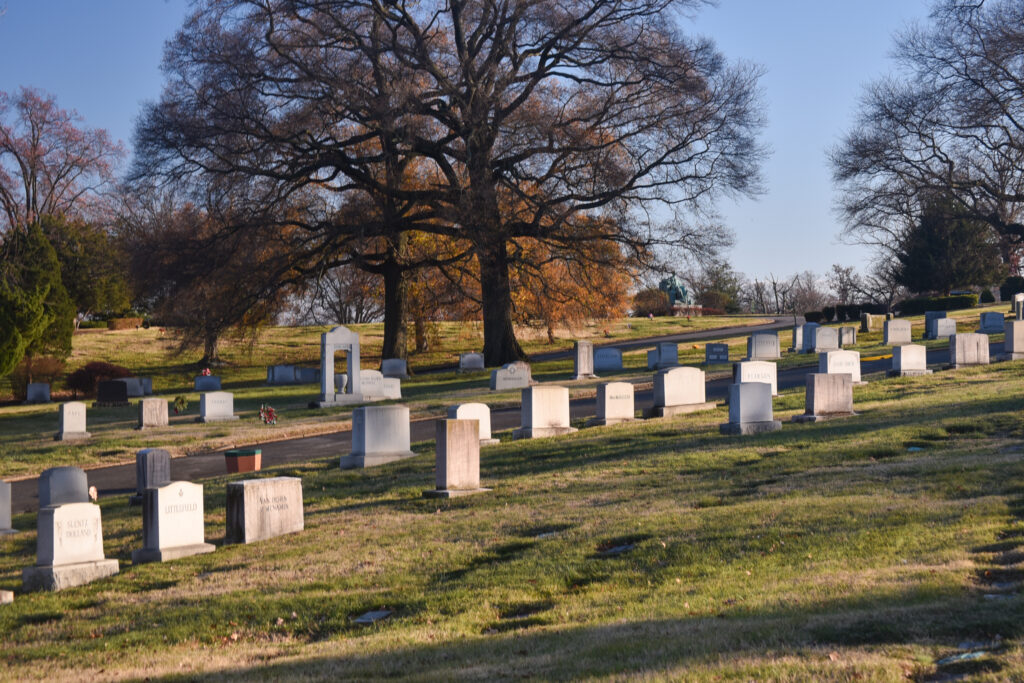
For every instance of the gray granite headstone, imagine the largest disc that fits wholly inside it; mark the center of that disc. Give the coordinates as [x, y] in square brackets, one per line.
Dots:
[5, 509]
[71, 422]
[152, 469]
[607, 359]
[69, 548]
[380, 434]
[111, 393]
[258, 509]
[716, 353]
[207, 383]
[172, 523]
[583, 360]
[61, 485]
[38, 392]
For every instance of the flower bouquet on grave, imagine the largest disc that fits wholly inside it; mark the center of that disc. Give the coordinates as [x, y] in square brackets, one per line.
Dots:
[268, 414]
[206, 372]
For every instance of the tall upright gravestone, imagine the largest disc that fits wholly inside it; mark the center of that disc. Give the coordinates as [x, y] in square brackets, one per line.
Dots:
[583, 360]
[457, 459]
[750, 410]
[339, 339]
[827, 396]
[545, 412]
[380, 434]
[5, 509]
[614, 404]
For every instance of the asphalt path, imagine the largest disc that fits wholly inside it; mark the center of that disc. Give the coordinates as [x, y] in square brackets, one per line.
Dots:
[120, 479]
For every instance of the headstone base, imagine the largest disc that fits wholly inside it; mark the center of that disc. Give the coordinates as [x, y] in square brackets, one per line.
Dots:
[143, 555]
[747, 428]
[672, 411]
[957, 366]
[225, 418]
[607, 422]
[49, 578]
[452, 493]
[541, 432]
[72, 436]
[489, 442]
[111, 404]
[820, 418]
[590, 376]
[907, 373]
[345, 400]
[1016, 355]
[355, 462]
[8, 532]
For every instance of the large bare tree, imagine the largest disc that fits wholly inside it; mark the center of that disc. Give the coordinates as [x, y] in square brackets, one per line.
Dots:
[521, 116]
[950, 123]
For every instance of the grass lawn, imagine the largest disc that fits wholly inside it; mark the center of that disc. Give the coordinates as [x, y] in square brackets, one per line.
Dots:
[876, 547]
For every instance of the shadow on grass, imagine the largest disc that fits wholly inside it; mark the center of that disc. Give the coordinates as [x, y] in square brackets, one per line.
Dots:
[506, 649]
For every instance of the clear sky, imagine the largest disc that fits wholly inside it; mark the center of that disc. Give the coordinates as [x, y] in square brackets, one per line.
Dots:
[102, 58]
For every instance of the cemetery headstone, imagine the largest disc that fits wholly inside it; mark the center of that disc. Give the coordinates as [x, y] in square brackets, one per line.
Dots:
[133, 386]
[716, 353]
[515, 375]
[614, 404]
[340, 339]
[207, 383]
[756, 371]
[870, 322]
[678, 391]
[825, 339]
[798, 339]
[375, 386]
[942, 328]
[69, 548]
[111, 394]
[152, 470]
[583, 360]
[5, 509]
[380, 434]
[827, 396]
[607, 359]
[475, 411]
[909, 360]
[840, 363]
[750, 410]
[545, 412]
[1013, 341]
[991, 323]
[147, 386]
[929, 318]
[61, 485]
[457, 454]
[304, 375]
[810, 330]
[281, 374]
[394, 367]
[896, 332]
[172, 523]
[37, 392]
[1018, 306]
[763, 346]
[217, 406]
[847, 336]
[471, 362]
[152, 413]
[966, 349]
[258, 509]
[71, 422]
[668, 355]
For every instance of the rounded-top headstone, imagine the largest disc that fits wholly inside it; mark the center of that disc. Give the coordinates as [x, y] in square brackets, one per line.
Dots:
[61, 485]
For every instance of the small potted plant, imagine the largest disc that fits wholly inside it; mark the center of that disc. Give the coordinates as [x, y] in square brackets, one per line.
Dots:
[243, 460]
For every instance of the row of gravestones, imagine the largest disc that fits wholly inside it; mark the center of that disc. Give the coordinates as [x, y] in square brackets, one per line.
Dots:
[391, 368]
[214, 406]
[125, 387]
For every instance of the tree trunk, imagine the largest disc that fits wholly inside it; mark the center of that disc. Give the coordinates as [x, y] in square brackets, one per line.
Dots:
[500, 345]
[396, 301]
[210, 342]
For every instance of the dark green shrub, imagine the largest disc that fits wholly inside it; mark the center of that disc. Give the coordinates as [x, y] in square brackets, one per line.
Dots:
[813, 316]
[1012, 285]
[828, 313]
[987, 297]
[918, 305]
[853, 312]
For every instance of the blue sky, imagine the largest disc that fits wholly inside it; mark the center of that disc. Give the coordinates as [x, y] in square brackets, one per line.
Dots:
[102, 58]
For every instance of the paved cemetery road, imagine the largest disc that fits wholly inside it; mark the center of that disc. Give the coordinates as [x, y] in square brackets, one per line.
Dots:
[120, 479]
